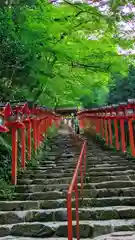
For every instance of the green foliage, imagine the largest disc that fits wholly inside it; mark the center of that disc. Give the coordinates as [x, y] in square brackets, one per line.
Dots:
[47, 53]
[122, 88]
[6, 190]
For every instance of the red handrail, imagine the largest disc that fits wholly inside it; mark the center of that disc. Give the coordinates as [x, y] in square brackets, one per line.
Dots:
[80, 167]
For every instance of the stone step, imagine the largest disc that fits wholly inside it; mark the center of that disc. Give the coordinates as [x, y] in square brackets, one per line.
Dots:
[49, 195]
[64, 186]
[41, 188]
[88, 229]
[91, 161]
[108, 159]
[112, 184]
[48, 175]
[119, 168]
[43, 181]
[111, 178]
[68, 179]
[111, 164]
[49, 172]
[61, 161]
[104, 202]
[31, 238]
[112, 236]
[99, 164]
[19, 205]
[60, 214]
[60, 203]
[110, 173]
[29, 204]
[123, 235]
[92, 169]
[111, 192]
[92, 193]
[69, 173]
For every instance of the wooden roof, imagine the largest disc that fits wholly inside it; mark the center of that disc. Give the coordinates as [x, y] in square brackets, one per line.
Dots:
[65, 111]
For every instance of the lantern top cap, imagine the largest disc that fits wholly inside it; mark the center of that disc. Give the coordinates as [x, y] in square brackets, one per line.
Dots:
[131, 100]
[122, 103]
[115, 105]
[111, 106]
[7, 110]
[25, 109]
[108, 106]
[102, 107]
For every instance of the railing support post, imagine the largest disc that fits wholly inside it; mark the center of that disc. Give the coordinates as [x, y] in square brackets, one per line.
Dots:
[77, 213]
[23, 145]
[116, 134]
[69, 216]
[29, 140]
[131, 136]
[122, 135]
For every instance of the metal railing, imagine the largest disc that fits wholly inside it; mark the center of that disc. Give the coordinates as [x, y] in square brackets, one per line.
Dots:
[73, 188]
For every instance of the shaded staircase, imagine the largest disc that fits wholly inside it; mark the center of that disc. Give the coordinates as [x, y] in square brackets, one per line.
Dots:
[39, 208]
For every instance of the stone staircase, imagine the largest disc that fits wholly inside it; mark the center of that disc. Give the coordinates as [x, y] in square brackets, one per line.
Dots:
[39, 207]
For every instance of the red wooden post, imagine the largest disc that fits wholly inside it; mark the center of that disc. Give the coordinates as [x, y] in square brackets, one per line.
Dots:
[26, 120]
[35, 134]
[14, 156]
[109, 127]
[131, 117]
[15, 125]
[102, 123]
[27, 123]
[29, 140]
[131, 136]
[123, 143]
[121, 113]
[23, 145]
[110, 130]
[106, 130]
[19, 111]
[116, 134]
[38, 132]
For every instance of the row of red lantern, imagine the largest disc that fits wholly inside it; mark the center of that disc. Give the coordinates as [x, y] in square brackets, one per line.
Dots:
[32, 122]
[101, 121]
[125, 108]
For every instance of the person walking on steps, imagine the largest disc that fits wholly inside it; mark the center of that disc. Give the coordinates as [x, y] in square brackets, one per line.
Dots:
[72, 120]
[76, 123]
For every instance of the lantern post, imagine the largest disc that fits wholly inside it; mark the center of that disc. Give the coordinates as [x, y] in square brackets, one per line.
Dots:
[27, 121]
[121, 112]
[12, 120]
[131, 116]
[109, 119]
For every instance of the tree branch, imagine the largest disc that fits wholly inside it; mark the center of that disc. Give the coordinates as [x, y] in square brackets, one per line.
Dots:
[94, 67]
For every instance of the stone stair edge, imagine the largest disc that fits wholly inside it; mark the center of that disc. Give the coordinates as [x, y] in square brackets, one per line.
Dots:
[110, 222]
[33, 238]
[85, 198]
[115, 207]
